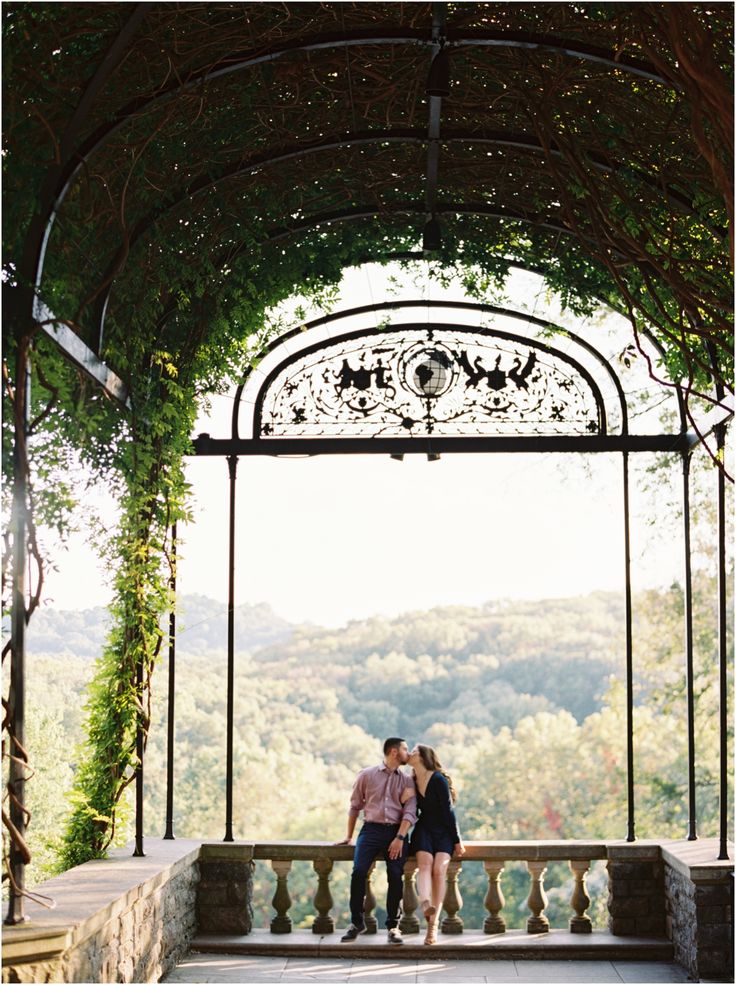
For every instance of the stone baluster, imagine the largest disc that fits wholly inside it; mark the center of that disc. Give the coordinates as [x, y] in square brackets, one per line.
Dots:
[537, 922]
[369, 903]
[580, 901]
[323, 902]
[494, 901]
[452, 924]
[281, 902]
[409, 923]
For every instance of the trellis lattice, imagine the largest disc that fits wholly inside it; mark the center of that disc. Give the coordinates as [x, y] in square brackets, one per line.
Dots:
[419, 381]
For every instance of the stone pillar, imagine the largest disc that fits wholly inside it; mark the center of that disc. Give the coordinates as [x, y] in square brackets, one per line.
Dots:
[452, 924]
[494, 901]
[225, 893]
[580, 901]
[369, 904]
[323, 902]
[281, 902]
[537, 922]
[636, 891]
[409, 923]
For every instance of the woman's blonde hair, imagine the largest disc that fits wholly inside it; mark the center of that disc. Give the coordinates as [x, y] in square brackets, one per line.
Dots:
[430, 761]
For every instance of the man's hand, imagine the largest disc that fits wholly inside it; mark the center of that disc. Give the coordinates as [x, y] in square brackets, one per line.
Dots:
[345, 841]
[395, 848]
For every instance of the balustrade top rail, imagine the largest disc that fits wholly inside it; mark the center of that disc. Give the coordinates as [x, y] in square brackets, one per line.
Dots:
[493, 855]
[507, 851]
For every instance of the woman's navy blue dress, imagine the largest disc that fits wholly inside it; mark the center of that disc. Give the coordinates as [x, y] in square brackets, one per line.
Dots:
[436, 828]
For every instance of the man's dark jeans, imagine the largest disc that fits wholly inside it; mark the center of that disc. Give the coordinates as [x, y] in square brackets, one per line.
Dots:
[373, 841]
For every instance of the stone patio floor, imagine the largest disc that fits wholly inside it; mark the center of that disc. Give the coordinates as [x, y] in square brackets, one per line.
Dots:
[251, 970]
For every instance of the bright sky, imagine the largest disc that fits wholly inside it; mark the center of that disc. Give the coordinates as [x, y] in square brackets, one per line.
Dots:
[331, 539]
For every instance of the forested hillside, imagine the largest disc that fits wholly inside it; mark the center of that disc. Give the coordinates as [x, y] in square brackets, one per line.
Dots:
[524, 701]
[202, 628]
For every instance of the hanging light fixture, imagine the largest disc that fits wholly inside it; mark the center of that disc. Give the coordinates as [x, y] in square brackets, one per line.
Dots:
[438, 80]
[432, 235]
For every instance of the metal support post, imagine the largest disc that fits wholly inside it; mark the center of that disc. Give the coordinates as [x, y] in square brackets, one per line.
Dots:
[138, 850]
[722, 645]
[16, 694]
[630, 832]
[692, 828]
[169, 833]
[232, 464]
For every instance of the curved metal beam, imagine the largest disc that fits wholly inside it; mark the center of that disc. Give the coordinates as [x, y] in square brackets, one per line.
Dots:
[365, 212]
[516, 141]
[441, 209]
[77, 158]
[240, 61]
[395, 135]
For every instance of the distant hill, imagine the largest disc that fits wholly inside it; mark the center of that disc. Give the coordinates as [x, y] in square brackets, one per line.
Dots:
[489, 665]
[201, 628]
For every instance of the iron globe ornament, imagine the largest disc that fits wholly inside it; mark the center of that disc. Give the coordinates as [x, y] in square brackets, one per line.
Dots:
[431, 375]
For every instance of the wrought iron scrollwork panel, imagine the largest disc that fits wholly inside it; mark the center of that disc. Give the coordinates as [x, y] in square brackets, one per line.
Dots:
[419, 381]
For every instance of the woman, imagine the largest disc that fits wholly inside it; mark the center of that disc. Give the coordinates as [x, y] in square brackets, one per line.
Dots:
[435, 838]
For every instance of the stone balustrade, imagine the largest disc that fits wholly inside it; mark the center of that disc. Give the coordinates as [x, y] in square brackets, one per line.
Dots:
[493, 856]
[131, 919]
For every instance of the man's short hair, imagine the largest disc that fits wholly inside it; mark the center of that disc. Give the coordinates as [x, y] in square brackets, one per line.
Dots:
[393, 743]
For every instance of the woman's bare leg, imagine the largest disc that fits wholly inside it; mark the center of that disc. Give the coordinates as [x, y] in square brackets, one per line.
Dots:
[424, 877]
[439, 878]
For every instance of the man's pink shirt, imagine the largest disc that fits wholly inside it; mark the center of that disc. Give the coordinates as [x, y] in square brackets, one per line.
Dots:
[377, 792]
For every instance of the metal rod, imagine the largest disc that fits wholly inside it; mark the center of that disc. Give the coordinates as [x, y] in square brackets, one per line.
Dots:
[534, 444]
[138, 850]
[722, 643]
[630, 832]
[169, 833]
[232, 463]
[16, 694]
[692, 827]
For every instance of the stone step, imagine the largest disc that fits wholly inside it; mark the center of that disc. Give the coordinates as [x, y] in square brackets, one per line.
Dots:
[513, 945]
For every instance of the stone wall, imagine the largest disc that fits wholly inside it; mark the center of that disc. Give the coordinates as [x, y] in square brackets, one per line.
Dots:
[145, 942]
[108, 925]
[700, 919]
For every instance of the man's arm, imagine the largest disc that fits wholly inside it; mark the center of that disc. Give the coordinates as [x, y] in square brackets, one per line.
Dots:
[408, 817]
[357, 800]
[348, 839]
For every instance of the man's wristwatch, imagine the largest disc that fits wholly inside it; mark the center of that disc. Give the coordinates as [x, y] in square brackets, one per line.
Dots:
[401, 837]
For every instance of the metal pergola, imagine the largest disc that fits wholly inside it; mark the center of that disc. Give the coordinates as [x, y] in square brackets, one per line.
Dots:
[260, 129]
[287, 370]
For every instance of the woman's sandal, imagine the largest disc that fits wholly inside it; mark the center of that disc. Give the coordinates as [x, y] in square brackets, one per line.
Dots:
[431, 937]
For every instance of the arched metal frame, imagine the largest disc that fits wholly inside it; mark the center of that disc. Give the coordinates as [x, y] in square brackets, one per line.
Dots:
[513, 141]
[624, 442]
[74, 154]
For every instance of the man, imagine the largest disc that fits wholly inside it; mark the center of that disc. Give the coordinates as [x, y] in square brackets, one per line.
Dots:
[388, 800]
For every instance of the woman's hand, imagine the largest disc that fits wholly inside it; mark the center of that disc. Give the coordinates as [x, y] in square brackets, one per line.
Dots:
[459, 850]
[345, 841]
